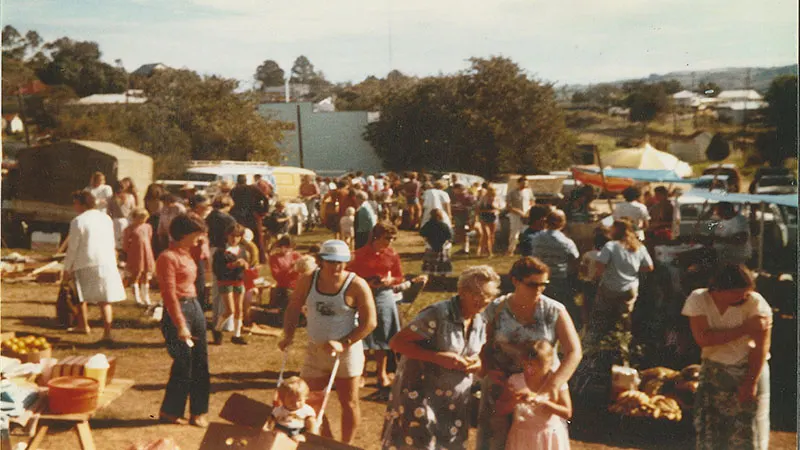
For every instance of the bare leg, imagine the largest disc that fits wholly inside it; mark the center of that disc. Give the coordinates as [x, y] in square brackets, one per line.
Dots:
[490, 230]
[84, 318]
[238, 300]
[347, 390]
[108, 317]
[381, 360]
[228, 299]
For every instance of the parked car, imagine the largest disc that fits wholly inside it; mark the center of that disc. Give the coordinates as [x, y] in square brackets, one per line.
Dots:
[774, 185]
[734, 176]
[718, 183]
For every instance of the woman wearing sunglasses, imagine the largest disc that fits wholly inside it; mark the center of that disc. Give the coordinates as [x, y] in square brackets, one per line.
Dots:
[514, 320]
[379, 265]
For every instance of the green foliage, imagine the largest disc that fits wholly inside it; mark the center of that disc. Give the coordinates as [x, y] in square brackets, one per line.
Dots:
[604, 95]
[718, 149]
[781, 114]
[370, 93]
[646, 101]
[77, 64]
[269, 73]
[488, 119]
[709, 89]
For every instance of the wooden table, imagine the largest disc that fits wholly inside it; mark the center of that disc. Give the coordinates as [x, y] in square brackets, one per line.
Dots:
[80, 421]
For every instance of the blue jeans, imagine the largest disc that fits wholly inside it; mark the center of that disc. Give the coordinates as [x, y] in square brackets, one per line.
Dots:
[189, 377]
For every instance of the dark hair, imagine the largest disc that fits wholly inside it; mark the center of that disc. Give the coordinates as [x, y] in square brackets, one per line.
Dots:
[185, 224]
[341, 184]
[538, 350]
[235, 230]
[197, 199]
[732, 276]
[241, 179]
[284, 241]
[170, 198]
[622, 230]
[154, 191]
[601, 237]
[522, 178]
[527, 266]
[537, 213]
[314, 249]
[661, 190]
[257, 176]
[726, 207]
[85, 199]
[222, 201]
[382, 229]
[631, 193]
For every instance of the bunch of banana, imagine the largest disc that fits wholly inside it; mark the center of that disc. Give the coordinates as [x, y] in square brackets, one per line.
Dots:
[666, 408]
[633, 403]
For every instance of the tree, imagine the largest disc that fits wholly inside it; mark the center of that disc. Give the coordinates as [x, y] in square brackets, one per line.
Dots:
[718, 149]
[488, 119]
[782, 115]
[269, 73]
[709, 89]
[77, 64]
[303, 71]
[671, 86]
[646, 101]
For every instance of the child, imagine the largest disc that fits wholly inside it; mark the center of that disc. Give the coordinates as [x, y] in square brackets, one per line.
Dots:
[140, 263]
[230, 264]
[278, 221]
[282, 264]
[588, 274]
[251, 276]
[293, 416]
[306, 265]
[538, 416]
[347, 229]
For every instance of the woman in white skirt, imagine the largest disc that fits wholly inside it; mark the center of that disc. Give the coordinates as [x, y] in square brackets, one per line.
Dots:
[92, 261]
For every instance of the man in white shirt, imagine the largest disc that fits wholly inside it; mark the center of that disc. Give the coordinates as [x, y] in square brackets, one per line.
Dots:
[518, 203]
[732, 236]
[436, 198]
[633, 210]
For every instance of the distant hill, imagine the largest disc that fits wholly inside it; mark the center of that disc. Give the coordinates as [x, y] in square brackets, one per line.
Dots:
[728, 78]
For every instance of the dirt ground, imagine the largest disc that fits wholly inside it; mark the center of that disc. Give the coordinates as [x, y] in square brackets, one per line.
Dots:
[250, 370]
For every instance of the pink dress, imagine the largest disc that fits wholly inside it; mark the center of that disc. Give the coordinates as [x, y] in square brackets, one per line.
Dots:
[533, 427]
[137, 247]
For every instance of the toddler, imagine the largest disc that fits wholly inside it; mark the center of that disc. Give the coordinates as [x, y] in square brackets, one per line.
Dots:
[293, 416]
[139, 260]
[347, 229]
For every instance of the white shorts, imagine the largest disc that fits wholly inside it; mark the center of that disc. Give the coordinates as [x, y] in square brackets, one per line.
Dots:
[319, 364]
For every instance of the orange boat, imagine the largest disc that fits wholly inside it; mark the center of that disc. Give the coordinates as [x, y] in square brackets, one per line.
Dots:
[592, 177]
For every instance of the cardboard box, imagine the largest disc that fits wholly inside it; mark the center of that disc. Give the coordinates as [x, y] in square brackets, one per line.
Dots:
[223, 436]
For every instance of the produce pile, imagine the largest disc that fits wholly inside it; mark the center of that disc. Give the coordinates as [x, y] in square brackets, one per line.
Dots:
[25, 345]
[663, 394]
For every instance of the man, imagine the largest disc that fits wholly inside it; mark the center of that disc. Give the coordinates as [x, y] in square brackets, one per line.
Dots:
[461, 204]
[263, 185]
[200, 207]
[633, 210]
[662, 216]
[341, 312]
[537, 216]
[731, 236]
[518, 201]
[561, 254]
[436, 198]
[249, 207]
[366, 219]
[219, 221]
[309, 191]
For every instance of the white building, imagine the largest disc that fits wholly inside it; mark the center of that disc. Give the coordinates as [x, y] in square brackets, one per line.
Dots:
[737, 111]
[132, 96]
[739, 95]
[687, 99]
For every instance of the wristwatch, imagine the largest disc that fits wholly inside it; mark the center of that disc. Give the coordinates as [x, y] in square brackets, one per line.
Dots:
[346, 342]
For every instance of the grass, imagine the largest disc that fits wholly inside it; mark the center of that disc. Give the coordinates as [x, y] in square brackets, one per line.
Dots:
[249, 370]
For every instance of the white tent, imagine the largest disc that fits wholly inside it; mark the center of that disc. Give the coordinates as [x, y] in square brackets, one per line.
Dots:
[647, 157]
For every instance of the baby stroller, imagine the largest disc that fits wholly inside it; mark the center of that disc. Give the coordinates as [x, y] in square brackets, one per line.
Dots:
[316, 399]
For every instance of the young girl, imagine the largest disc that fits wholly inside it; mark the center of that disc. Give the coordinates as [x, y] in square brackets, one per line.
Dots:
[488, 210]
[294, 416]
[588, 272]
[347, 227]
[282, 265]
[437, 234]
[140, 263]
[229, 265]
[538, 416]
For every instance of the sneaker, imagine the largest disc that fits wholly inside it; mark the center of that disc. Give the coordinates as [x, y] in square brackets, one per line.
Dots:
[239, 340]
[217, 337]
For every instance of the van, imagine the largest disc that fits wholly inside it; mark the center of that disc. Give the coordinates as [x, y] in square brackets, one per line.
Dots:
[734, 180]
[288, 180]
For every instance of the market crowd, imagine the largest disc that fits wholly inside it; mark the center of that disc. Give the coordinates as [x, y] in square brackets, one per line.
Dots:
[521, 347]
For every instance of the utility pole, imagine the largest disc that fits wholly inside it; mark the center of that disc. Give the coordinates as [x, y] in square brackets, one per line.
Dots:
[746, 99]
[300, 137]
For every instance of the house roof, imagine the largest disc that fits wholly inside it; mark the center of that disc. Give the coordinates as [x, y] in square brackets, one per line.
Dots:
[148, 69]
[739, 94]
[133, 96]
[121, 153]
[685, 94]
[740, 106]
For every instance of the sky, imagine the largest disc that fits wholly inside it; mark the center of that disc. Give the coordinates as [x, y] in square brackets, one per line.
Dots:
[561, 41]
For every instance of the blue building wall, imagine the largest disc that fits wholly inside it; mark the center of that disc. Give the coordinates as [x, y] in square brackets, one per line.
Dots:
[332, 141]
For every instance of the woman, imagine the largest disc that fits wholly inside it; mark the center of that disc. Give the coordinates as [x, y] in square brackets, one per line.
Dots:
[619, 262]
[513, 321]
[153, 203]
[120, 208]
[184, 325]
[731, 323]
[310, 192]
[129, 187]
[379, 265]
[92, 261]
[101, 192]
[487, 209]
[440, 348]
[438, 235]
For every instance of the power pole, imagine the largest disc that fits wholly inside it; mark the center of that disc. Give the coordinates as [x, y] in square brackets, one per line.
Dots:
[746, 99]
[300, 137]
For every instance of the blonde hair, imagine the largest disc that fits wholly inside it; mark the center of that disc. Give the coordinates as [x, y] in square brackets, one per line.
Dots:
[622, 231]
[140, 214]
[305, 265]
[350, 211]
[480, 279]
[294, 385]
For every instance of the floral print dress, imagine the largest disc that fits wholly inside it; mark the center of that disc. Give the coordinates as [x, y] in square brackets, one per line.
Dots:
[429, 405]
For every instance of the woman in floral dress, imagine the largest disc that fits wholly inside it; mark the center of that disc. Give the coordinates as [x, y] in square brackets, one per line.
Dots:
[429, 404]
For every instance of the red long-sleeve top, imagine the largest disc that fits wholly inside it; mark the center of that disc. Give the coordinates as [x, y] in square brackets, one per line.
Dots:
[176, 272]
[369, 263]
[282, 267]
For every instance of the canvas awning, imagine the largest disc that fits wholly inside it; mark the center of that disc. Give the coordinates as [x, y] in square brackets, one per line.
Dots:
[647, 157]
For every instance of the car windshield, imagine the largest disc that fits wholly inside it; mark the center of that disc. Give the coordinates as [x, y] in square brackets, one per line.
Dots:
[777, 181]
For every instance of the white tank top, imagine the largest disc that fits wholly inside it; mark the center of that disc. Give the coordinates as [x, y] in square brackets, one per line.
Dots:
[330, 318]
